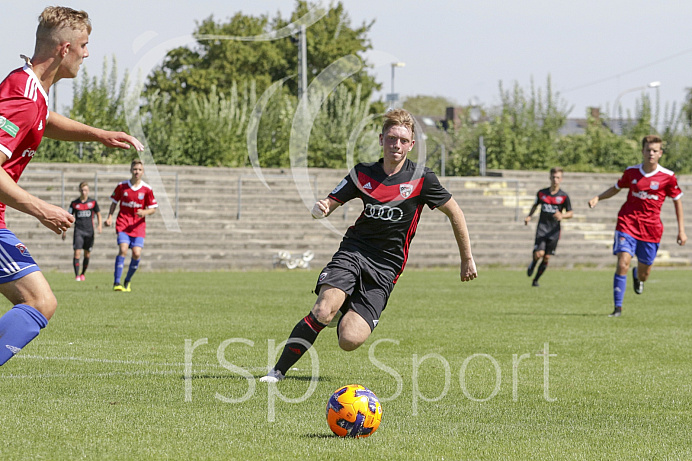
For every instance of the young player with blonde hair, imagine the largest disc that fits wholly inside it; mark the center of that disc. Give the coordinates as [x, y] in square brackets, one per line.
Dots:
[61, 46]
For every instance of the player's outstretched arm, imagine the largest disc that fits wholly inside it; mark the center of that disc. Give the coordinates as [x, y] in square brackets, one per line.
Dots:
[682, 237]
[51, 216]
[461, 233]
[65, 129]
[603, 196]
[323, 208]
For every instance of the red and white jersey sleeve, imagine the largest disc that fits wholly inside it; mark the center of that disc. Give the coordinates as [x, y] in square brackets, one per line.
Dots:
[23, 118]
[640, 215]
[132, 199]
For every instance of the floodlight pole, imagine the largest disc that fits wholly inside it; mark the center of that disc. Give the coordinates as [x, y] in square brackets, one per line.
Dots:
[302, 63]
[655, 84]
[393, 97]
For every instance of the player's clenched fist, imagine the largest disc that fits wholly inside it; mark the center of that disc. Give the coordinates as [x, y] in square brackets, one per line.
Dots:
[320, 209]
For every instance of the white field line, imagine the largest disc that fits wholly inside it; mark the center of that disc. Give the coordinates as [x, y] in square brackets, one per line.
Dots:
[179, 365]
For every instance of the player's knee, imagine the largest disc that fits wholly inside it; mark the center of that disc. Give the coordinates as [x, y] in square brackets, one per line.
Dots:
[46, 304]
[351, 337]
[349, 343]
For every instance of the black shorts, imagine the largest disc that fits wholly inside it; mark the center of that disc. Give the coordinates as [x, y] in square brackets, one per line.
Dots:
[366, 284]
[546, 243]
[82, 240]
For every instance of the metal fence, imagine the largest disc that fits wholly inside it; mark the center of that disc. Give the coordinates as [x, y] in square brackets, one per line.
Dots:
[97, 175]
[512, 184]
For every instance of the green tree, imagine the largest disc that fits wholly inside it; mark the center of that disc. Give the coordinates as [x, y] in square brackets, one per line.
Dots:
[219, 63]
[687, 109]
[335, 126]
[96, 102]
[203, 129]
[524, 134]
[427, 105]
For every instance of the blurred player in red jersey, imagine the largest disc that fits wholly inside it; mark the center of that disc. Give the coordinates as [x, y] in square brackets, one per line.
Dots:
[639, 228]
[555, 206]
[84, 209]
[137, 201]
[361, 275]
[61, 46]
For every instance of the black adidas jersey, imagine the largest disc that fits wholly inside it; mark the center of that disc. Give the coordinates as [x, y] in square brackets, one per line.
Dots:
[84, 214]
[550, 204]
[392, 209]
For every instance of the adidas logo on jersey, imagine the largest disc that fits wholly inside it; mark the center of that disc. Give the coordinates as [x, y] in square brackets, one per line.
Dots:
[40, 125]
[368, 186]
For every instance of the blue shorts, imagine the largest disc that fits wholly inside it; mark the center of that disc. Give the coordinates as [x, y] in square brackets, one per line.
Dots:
[132, 241]
[15, 260]
[645, 251]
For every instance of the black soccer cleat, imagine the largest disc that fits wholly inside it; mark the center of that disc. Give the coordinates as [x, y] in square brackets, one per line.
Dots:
[616, 313]
[529, 270]
[535, 283]
[638, 285]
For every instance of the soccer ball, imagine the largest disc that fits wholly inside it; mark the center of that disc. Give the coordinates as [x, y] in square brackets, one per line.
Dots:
[353, 411]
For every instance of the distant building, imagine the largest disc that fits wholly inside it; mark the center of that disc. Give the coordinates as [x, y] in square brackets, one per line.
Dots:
[578, 125]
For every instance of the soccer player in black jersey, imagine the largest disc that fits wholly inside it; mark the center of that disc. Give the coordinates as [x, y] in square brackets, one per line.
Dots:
[555, 206]
[362, 273]
[83, 208]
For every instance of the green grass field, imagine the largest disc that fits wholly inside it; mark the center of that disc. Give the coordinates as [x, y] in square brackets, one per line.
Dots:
[491, 369]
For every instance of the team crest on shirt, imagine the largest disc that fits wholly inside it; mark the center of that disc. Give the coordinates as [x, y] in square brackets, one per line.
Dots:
[559, 199]
[22, 249]
[323, 276]
[405, 190]
[141, 196]
[654, 185]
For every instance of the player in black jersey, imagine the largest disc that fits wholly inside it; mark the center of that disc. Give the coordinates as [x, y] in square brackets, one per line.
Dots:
[555, 206]
[83, 209]
[362, 273]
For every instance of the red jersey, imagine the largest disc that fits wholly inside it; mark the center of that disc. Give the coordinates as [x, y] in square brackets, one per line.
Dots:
[23, 117]
[640, 215]
[132, 199]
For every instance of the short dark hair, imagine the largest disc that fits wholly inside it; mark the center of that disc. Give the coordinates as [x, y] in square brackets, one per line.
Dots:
[556, 169]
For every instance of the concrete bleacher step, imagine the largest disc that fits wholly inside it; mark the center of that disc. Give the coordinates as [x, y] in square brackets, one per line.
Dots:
[214, 235]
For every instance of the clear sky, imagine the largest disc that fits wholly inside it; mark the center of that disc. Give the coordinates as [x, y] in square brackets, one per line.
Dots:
[594, 50]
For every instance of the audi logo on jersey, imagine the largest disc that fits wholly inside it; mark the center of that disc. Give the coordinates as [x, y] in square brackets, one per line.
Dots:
[383, 212]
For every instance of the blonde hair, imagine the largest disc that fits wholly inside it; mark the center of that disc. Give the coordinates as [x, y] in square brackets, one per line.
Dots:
[57, 24]
[651, 139]
[398, 117]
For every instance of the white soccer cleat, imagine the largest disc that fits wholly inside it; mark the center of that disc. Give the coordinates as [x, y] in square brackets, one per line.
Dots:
[274, 376]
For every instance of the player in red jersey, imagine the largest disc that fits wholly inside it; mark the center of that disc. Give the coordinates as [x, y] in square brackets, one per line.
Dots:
[61, 46]
[137, 201]
[84, 209]
[555, 206]
[361, 275]
[639, 228]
